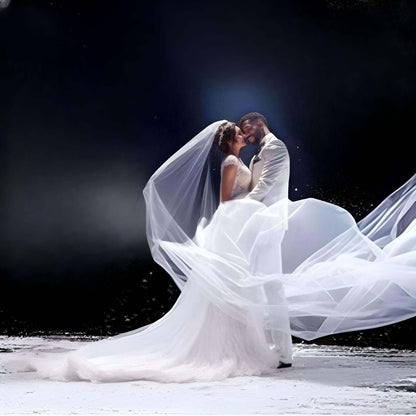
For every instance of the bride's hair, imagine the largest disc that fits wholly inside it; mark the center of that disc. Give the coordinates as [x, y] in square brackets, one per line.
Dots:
[225, 132]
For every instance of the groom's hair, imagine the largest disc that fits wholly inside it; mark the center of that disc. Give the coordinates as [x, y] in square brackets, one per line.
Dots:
[252, 117]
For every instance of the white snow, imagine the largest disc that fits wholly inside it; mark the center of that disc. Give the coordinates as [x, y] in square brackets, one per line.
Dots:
[323, 380]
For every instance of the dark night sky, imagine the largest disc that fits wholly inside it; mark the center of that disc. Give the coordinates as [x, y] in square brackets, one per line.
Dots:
[95, 95]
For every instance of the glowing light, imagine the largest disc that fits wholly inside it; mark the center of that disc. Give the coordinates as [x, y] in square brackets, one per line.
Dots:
[4, 4]
[233, 99]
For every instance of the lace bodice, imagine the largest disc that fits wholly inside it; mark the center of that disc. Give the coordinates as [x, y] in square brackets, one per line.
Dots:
[243, 178]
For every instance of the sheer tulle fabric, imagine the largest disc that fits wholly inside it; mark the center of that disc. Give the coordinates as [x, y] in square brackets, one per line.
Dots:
[243, 268]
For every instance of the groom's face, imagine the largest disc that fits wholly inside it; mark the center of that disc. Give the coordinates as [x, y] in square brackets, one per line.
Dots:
[253, 131]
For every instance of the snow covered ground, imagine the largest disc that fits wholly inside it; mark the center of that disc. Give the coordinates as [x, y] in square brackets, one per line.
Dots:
[323, 380]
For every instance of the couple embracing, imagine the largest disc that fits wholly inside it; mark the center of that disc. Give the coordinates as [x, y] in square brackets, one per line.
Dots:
[254, 269]
[266, 180]
[268, 177]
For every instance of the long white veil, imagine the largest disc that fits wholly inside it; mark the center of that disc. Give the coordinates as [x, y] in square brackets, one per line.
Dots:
[251, 276]
[338, 276]
[184, 238]
[178, 195]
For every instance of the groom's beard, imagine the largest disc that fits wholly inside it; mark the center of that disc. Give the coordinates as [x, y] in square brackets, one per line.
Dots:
[258, 136]
[246, 139]
[262, 133]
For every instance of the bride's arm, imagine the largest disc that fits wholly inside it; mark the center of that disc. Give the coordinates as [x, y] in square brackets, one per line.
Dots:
[227, 181]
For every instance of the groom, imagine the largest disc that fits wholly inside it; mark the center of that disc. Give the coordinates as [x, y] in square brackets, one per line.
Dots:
[269, 184]
[270, 166]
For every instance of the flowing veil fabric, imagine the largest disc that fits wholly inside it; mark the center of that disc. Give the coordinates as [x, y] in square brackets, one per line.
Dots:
[338, 275]
[251, 273]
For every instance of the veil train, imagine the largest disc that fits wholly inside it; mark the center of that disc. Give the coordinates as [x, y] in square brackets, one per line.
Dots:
[242, 268]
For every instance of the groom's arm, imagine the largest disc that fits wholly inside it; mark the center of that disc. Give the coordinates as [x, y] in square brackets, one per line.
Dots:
[274, 170]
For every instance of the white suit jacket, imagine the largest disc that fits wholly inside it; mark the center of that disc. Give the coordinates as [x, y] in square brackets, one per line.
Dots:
[270, 171]
[269, 184]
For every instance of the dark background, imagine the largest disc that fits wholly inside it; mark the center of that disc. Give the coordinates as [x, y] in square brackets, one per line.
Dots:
[95, 95]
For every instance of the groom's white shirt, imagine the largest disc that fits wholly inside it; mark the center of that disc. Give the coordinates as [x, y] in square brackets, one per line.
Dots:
[270, 173]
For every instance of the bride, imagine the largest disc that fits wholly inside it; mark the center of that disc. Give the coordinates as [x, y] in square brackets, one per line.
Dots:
[251, 274]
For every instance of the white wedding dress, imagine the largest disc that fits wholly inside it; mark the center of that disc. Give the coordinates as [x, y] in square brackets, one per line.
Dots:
[194, 341]
[243, 177]
[242, 284]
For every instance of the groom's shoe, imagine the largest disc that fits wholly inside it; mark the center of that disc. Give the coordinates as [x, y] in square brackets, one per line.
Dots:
[284, 365]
